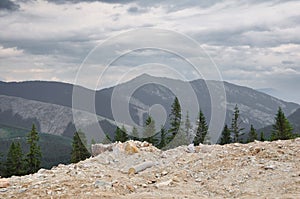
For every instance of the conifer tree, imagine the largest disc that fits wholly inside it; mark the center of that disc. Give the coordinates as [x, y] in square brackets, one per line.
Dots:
[79, 150]
[262, 137]
[134, 134]
[33, 157]
[188, 127]
[202, 129]
[235, 125]
[252, 134]
[121, 134]
[282, 128]
[163, 138]
[175, 118]
[149, 131]
[226, 136]
[14, 162]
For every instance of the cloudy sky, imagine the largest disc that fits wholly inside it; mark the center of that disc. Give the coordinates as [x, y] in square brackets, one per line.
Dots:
[253, 43]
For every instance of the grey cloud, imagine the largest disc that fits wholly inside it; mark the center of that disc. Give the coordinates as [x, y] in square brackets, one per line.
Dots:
[8, 5]
[287, 62]
[136, 10]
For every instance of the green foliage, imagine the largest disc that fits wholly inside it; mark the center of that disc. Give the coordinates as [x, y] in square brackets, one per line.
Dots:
[79, 150]
[188, 127]
[202, 129]
[175, 118]
[134, 134]
[226, 136]
[282, 129]
[163, 138]
[121, 134]
[149, 131]
[252, 134]
[262, 136]
[55, 149]
[235, 125]
[33, 157]
[106, 140]
[14, 161]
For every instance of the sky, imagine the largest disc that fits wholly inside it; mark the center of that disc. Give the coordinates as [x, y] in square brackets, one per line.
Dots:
[253, 43]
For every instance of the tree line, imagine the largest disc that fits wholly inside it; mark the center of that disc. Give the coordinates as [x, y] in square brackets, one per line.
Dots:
[18, 163]
[281, 130]
[179, 133]
[186, 134]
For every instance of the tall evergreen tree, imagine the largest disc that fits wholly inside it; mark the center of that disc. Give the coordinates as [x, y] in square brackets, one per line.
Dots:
[202, 129]
[121, 134]
[14, 162]
[134, 134]
[262, 136]
[188, 127]
[175, 118]
[163, 138]
[149, 131]
[226, 136]
[282, 128]
[252, 134]
[33, 157]
[79, 150]
[235, 125]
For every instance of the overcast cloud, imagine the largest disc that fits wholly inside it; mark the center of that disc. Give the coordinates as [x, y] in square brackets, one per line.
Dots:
[254, 43]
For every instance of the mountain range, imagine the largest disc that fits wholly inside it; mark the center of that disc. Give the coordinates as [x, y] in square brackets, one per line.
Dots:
[48, 104]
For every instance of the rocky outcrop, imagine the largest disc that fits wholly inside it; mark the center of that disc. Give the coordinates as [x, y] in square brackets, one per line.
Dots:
[254, 170]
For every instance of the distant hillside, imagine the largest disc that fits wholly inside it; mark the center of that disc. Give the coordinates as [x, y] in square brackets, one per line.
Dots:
[50, 102]
[295, 120]
[55, 149]
[49, 118]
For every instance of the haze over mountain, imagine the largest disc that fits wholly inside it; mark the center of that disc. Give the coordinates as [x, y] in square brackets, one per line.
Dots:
[49, 103]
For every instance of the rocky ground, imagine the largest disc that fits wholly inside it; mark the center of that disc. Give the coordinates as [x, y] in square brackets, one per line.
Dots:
[136, 170]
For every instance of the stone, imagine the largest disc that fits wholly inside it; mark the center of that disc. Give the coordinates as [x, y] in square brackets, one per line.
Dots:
[164, 172]
[191, 148]
[140, 167]
[4, 183]
[130, 148]
[99, 183]
[175, 179]
[101, 148]
[165, 183]
[130, 188]
[3, 190]
[269, 167]
[198, 180]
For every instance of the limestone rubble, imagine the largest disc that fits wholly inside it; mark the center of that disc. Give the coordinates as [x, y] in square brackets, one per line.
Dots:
[254, 170]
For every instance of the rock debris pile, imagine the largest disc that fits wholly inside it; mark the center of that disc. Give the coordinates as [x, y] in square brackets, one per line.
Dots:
[139, 170]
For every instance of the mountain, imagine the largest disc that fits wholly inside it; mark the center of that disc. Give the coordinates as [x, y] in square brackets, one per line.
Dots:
[295, 120]
[53, 100]
[48, 118]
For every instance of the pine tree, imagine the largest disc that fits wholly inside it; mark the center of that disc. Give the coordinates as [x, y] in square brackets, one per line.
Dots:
[163, 138]
[134, 134]
[226, 136]
[282, 128]
[33, 157]
[202, 129]
[14, 162]
[188, 127]
[149, 131]
[79, 150]
[121, 134]
[175, 118]
[262, 137]
[252, 134]
[235, 125]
